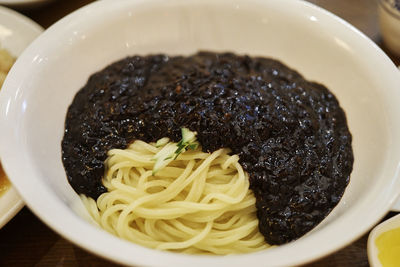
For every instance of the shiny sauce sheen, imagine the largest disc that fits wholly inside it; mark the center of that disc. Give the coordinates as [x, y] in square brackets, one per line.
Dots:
[291, 134]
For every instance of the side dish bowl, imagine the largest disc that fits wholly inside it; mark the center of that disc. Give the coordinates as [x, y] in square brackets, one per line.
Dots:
[23, 3]
[16, 33]
[309, 39]
[373, 249]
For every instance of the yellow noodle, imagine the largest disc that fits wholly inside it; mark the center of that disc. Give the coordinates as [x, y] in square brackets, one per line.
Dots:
[200, 203]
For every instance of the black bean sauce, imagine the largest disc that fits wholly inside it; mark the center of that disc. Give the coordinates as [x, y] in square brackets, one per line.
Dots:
[291, 134]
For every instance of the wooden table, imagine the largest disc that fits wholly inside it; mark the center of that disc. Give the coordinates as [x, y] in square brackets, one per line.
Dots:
[26, 241]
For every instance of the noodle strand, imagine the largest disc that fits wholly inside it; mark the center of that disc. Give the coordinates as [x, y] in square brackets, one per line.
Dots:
[198, 203]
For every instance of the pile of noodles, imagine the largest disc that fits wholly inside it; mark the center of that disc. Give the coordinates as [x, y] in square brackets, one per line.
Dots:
[198, 203]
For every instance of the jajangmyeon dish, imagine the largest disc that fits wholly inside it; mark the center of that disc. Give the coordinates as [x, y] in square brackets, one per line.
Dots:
[289, 135]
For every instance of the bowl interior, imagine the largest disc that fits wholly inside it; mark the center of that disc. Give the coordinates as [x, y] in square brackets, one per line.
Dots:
[323, 48]
[381, 228]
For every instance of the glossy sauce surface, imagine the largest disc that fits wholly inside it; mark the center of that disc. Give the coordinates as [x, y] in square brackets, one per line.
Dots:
[291, 134]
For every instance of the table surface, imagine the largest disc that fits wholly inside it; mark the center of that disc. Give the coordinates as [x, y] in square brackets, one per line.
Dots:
[26, 241]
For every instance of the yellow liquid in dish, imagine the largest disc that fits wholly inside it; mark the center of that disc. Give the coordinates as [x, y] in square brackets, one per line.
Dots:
[4, 183]
[388, 245]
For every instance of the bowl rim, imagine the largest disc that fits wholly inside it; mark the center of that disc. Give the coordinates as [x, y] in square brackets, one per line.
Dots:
[22, 3]
[147, 256]
[10, 201]
[389, 8]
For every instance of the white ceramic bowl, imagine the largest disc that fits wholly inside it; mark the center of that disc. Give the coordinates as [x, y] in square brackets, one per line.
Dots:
[389, 21]
[23, 3]
[321, 46]
[383, 227]
[16, 33]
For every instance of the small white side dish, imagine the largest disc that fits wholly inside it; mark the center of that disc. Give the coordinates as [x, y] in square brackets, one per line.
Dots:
[16, 33]
[319, 45]
[23, 3]
[385, 226]
[389, 20]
